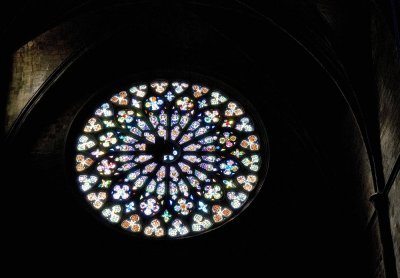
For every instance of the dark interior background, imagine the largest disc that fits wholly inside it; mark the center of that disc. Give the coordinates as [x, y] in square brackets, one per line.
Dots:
[311, 71]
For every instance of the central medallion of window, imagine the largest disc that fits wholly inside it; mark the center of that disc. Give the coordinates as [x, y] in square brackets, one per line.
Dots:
[166, 151]
[170, 159]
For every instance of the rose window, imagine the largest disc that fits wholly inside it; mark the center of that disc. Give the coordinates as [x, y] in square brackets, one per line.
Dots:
[170, 159]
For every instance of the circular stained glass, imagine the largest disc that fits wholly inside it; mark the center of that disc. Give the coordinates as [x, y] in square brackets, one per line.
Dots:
[170, 159]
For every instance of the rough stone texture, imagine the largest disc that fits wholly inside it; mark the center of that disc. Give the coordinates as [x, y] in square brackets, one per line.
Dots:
[387, 77]
[34, 62]
[32, 65]
[394, 213]
[377, 268]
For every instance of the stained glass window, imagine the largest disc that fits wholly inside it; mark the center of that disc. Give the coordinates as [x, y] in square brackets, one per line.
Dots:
[169, 159]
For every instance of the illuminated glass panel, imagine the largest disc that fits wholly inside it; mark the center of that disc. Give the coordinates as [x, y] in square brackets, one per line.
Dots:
[169, 159]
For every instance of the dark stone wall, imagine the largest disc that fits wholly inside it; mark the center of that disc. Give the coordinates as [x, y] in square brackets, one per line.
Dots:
[394, 213]
[386, 62]
[32, 64]
[384, 94]
[329, 133]
[387, 75]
